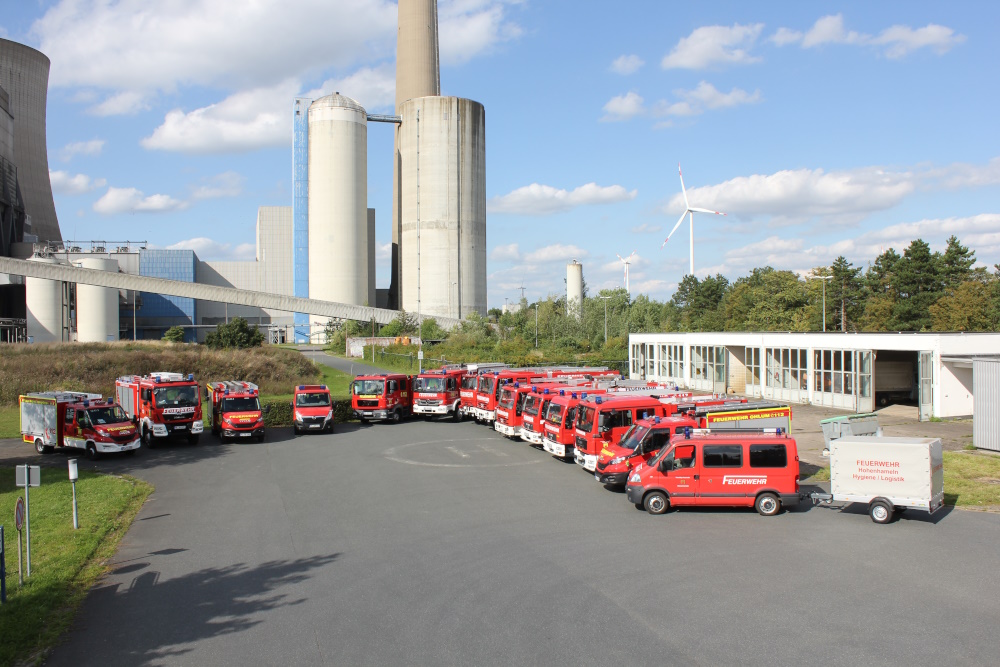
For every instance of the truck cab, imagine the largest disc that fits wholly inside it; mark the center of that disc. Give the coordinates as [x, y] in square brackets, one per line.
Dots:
[510, 409]
[758, 469]
[312, 409]
[162, 405]
[601, 420]
[437, 393]
[236, 410]
[384, 397]
[559, 423]
[532, 427]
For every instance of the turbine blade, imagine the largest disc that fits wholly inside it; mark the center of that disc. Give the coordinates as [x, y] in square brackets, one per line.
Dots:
[683, 215]
[683, 191]
[706, 210]
[619, 257]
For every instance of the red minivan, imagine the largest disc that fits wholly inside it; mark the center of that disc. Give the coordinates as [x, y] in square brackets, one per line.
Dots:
[740, 468]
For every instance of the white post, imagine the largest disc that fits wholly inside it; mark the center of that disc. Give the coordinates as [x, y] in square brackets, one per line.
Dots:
[691, 218]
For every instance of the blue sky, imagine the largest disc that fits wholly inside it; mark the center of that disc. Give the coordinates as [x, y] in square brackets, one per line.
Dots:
[820, 129]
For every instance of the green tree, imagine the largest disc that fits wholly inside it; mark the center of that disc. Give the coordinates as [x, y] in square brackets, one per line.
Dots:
[845, 293]
[880, 273]
[918, 285]
[174, 335]
[236, 334]
[956, 263]
[767, 300]
[968, 307]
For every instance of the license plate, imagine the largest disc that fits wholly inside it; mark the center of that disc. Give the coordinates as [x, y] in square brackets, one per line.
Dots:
[244, 435]
[182, 427]
[314, 425]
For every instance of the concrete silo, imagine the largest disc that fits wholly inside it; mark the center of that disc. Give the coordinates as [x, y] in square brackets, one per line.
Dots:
[338, 202]
[97, 307]
[574, 289]
[47, 304]
[442, 162]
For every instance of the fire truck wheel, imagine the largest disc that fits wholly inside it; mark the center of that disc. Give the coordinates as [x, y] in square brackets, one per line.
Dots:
[91, 451]
[767, 504]
[41, 448]
[295, 429]
[363, 420]
[193, 438]
[130, 452]
[656, 502]
[147, 438]
[260, 438]
[457, 415]
[880, 511]
[396, 416]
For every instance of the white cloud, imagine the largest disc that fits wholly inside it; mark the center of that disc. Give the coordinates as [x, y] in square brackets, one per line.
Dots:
[705, 96]
[383, 251]
[509, 252]
[627, 64]
[964, 175]
[468, 28]
[714, 45]
[646, 228]
[64, 183]
[897, 41]
[623, 107]
[901, 40]
[537, 199]
[243, 121]
[371, 87]
[796, 195]
[121, 104]
[208, 249]
[92, 147]
[556, 252]
[226, 184]
[131, 200]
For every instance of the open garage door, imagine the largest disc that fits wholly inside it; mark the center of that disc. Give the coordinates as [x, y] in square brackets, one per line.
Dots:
[866, 395]
[925, 395]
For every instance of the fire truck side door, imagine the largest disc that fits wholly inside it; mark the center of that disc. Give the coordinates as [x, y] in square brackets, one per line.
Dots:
[682, 479]
[69, 423]
[717, 463]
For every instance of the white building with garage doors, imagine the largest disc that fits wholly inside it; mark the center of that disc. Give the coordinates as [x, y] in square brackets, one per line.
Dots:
[852, 371]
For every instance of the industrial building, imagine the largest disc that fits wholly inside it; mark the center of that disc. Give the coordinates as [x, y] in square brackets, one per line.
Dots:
[849, 371]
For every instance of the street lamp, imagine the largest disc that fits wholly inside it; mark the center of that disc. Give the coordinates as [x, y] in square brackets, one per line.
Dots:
[824, 279]
[536, 325]
[605, 298]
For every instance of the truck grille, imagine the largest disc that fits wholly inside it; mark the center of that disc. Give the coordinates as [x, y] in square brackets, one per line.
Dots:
[178, 417]
[528, 426]
[428, 402]
[124, 438]
[362, 403]
[313, 420]
[581, 444]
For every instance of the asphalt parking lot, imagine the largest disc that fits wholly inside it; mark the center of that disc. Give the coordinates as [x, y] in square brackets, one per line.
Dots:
[442, 543]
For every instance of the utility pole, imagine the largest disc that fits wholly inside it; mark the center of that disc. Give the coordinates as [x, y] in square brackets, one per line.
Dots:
[824, 279]
[536, 325]
[420, 328]
[605, 299]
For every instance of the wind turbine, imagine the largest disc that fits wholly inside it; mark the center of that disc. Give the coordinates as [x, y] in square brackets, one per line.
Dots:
[689, 211]
[626, 262]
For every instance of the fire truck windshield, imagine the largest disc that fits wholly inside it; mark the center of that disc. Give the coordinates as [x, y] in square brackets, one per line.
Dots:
[507, 398]
[633, 437]
[368, 387]
[109, 415]
[554, 414]
[532, 404]
[469, 382]
[486, 384]
[240, 404]
[428, 384]
[176, 396]
[315, 400]
[585, 418]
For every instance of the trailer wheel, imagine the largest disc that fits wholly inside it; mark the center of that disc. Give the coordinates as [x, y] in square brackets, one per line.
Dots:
[41, 448]
[91, 451]
[656, 502]
[767, 504]
[880, 511]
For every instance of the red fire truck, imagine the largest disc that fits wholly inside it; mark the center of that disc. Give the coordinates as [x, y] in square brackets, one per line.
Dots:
[312, 409]
[736, 468]
[643, 441]
[510, 409]
[470, 380]
[388, 396]
[436, 393]
[559, 423]
[162, 405]
[488, 391]
[604, 419]
[51, 419]
[236, 411]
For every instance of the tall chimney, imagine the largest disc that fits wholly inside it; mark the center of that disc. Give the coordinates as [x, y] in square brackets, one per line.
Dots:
[417, 75]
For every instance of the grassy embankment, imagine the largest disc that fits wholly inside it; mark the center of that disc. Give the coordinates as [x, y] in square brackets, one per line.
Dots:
[65, 563]
[93, 367]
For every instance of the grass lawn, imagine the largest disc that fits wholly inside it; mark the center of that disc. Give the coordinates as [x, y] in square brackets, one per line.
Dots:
[10, 422]
[64, 562]
[971, 479]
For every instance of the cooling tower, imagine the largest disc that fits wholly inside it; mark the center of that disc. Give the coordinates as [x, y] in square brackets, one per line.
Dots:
[97, 307]
[417, 75]
[338, 202]
[574, 289]
[442, 160]
[45, 302]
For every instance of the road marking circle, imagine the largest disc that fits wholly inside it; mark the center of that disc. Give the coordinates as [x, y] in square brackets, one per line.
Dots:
[395, 454]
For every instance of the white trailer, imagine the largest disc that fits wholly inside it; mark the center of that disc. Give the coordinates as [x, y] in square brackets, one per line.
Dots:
[889, 474]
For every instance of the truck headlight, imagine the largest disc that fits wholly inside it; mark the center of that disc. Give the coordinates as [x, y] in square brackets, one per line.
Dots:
[329, 414]
[634, 478]
[298, 416]
[618, 459]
